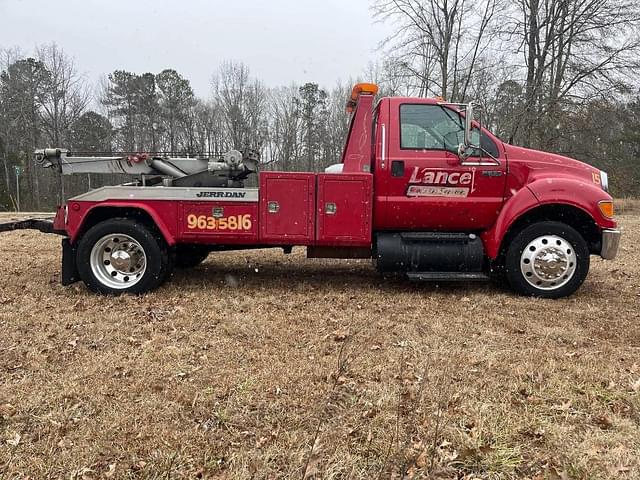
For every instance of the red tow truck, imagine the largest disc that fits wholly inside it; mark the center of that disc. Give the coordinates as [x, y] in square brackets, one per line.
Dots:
[422, 189]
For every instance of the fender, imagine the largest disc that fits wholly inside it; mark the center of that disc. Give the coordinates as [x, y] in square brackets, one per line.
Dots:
[565, 191]
[523, 201]
[79, 214]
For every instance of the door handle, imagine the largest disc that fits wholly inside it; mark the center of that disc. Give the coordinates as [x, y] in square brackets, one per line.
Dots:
[397, 168]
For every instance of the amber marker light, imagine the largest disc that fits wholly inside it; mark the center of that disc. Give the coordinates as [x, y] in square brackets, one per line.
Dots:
[363, 88]
[606, 208]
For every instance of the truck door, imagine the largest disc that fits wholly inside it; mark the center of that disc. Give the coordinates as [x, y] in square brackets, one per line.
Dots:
[427, 186]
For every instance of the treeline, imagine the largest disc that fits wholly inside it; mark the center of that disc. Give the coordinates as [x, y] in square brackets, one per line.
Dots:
[296, 127]
[555, 75]
[44, 101]
[559, 75]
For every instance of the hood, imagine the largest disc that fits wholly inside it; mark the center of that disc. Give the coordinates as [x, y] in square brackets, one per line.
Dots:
[530, 165]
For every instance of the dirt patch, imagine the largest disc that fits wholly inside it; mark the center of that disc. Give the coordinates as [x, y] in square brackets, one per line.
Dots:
[261, 365]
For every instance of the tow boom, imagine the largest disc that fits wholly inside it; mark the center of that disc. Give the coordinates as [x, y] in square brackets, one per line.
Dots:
[230, 171]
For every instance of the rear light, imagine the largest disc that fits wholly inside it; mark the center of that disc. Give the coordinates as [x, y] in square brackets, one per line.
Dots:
[606, 208]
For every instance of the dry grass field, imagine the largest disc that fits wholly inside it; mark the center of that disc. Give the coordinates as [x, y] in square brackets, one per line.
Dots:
[261, 365]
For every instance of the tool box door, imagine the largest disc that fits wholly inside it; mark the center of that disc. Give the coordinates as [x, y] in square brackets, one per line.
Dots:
[344, 209]
[287, 204]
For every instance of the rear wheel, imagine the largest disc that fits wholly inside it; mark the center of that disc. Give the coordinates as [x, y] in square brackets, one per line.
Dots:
[548, 260]
[189, 256]
[122, 256]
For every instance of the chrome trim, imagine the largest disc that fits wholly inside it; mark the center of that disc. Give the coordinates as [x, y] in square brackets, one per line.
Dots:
[383, 154]
[548, 262]
[195, 194]
[604, 180]
[495, 163]
[610, 243]
[118, 261]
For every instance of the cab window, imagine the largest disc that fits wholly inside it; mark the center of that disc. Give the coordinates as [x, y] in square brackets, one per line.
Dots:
[434, 127]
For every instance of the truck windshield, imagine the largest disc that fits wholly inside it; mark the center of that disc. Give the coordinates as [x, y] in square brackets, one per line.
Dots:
[434, 127]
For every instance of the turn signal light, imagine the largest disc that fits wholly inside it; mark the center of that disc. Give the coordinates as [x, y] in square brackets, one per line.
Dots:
[606, 208]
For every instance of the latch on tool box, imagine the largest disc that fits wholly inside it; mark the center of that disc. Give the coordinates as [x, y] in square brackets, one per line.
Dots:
[273, 207]
[330, 208]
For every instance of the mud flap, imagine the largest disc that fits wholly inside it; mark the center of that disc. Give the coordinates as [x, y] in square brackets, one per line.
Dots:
[69, 268]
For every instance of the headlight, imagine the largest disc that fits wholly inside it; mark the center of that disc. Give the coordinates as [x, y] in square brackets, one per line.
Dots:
[604, 180]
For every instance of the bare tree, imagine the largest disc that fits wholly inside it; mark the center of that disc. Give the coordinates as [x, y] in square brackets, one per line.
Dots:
[391, 77]
[312, 105]
[204, 117]
[21, 91]
[7, 57]
[284, 146]
[214, 125]
[574, 50]
[337, 124]
[242, 102]
[65, 94]
[438, 41]
[176, 103]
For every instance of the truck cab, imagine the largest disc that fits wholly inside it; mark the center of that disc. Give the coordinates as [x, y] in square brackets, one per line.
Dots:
[421, 180]
[422, 189]
[446, 187]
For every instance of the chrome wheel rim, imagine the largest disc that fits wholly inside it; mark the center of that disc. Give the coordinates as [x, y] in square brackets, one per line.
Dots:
[548, 262]
[118, 261]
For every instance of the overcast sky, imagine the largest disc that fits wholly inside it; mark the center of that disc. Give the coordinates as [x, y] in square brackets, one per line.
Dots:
[282, 41]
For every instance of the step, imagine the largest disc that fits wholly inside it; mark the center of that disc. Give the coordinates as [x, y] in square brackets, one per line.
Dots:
[447, 276]
[438, 236]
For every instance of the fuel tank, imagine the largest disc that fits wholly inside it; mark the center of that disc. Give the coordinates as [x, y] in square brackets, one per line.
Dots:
[407, 252]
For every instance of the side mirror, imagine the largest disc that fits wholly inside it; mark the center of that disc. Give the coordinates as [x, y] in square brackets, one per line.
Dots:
[468, 124]
[464, 149]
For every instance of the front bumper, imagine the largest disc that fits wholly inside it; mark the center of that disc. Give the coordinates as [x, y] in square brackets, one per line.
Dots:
[610, 243]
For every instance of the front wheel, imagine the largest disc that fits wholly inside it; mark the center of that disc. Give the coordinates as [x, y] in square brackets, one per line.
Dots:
[548, 260]
[122, 255]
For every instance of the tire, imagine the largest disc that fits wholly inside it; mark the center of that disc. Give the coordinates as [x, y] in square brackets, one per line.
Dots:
[189, 256]
[122, 255]
[547, 260]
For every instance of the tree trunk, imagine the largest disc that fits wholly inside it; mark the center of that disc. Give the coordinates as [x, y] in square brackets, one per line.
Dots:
[7, 178]
[531, 87]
